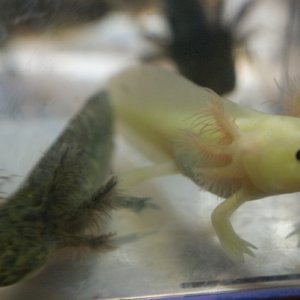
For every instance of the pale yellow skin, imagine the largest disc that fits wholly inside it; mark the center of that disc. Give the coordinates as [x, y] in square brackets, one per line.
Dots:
[232, 151]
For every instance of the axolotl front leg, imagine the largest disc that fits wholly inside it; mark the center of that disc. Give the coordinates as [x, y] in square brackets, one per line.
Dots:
[232, 244]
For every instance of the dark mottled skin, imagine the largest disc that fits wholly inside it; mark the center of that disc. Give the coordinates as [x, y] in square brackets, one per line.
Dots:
[30, 236]
[61, 197]
[202, 50]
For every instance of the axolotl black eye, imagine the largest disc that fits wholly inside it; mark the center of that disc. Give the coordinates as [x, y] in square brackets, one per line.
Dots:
[298, 155]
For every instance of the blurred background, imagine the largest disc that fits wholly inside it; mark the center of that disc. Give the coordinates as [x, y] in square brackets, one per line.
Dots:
[54, 54]
[59, 51]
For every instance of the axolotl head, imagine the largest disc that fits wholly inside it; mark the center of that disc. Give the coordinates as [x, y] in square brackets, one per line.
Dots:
[272, 155]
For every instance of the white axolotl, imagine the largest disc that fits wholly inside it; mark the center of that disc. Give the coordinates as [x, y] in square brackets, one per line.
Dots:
[234, 152]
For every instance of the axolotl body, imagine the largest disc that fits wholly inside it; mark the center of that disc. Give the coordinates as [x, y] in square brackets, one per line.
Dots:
[234, 152]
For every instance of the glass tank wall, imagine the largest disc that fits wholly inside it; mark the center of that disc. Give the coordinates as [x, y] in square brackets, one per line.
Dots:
[64, 154]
